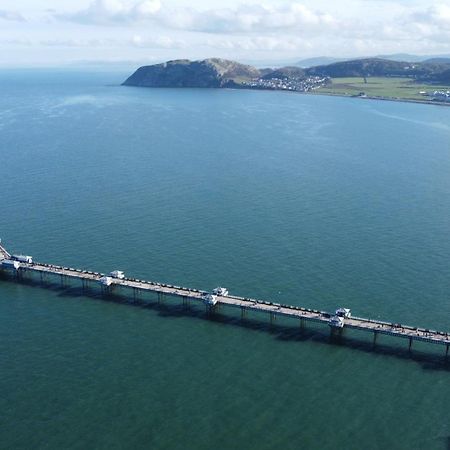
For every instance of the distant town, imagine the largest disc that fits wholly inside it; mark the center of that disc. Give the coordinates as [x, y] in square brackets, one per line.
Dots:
[372, 78]
[438, 96]
[288, 84]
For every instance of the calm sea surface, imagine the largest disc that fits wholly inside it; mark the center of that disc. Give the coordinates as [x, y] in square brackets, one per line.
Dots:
[314, 201]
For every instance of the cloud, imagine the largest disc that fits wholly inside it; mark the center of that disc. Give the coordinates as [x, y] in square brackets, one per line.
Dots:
[155, 42]
[436, 15]
[432, 23]
[288, 26]
[164, 42]
[11, 15]
[250, 18]
[242, 19]
[414, 28]
[260, 43]
[273, 27]
[91, 43]
[114, 11]
[17, 42]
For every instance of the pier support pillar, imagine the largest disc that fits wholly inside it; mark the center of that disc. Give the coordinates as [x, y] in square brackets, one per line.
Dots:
[106, 290]
[160, 297]
[336, 333]
[41, 277]
[375, 335]
[243, 312]
[302, 324]
[272, 318]
[410, 343]
[210, 309]
[446, 351]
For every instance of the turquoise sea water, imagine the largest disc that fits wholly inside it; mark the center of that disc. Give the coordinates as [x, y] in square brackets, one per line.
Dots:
[314, 201]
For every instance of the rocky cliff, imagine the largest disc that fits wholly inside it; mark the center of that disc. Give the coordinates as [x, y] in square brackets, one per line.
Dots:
[208, 73]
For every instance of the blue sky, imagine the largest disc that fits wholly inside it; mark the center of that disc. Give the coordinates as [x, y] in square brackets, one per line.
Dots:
[56, 32]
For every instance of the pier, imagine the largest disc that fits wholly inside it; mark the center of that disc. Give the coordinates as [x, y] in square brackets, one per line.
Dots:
[18, 266]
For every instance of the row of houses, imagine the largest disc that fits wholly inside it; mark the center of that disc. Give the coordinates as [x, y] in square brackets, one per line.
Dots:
[288, 84]
[442, 96]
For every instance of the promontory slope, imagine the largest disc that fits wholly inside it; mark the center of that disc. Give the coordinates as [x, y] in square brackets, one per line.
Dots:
[213, 73]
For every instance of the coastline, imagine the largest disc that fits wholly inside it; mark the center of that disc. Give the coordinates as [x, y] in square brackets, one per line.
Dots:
[329, 94]
[388, 99]
[367, 97]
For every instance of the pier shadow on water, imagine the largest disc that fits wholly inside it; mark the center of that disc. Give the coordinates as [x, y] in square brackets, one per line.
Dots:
[172, 307]
[447, 441]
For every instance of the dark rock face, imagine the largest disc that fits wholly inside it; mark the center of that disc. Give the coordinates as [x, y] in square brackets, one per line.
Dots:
[209, 73]
[175, 74]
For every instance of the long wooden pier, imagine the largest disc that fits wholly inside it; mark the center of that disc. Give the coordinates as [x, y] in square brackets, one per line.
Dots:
[243, 304]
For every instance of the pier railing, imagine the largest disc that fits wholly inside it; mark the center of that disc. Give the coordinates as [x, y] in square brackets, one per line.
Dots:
[19, 269]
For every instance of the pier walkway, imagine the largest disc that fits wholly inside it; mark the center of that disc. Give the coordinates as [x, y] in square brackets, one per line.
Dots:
[243, 304]
[3, 253]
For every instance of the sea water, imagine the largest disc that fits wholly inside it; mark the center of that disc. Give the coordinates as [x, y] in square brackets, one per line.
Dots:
[307, 200]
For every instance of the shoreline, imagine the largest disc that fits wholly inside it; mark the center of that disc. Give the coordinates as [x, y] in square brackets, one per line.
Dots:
[329, 94]
[387, 99]
[367, 97]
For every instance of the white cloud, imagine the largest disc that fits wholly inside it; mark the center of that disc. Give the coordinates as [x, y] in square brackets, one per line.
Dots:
[75, 43]
[413, 30]
[137, 41]
[260, 44]
[432, 23]
[17, 42]
[11, 15]
[236, 29]
[243, 18]
[257, 18]
[147, 8]
[436, 15]
[157, 42]
[114, 11]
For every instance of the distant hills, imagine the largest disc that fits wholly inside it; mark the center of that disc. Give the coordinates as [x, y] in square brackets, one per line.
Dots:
[213, 72]
[216, 72]
[411, 58]
[324, 60]
[319, 61]
[433, 72]
[437, 61]
[283, 73]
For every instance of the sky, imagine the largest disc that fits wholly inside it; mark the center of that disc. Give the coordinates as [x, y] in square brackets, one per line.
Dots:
[89, 32]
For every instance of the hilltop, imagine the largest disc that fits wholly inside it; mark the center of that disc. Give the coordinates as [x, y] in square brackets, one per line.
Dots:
[212, 73]
[369, 77]
[222, 73]
[219, 73]
[432, 71]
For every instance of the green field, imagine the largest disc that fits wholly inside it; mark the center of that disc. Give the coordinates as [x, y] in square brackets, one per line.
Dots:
[395, 88]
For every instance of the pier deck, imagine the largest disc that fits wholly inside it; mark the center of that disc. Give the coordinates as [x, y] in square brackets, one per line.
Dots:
[3, 253]
[244, 304]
